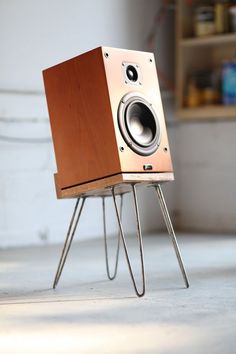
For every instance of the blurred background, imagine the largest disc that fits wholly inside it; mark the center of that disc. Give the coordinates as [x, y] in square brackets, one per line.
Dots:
[195, 48]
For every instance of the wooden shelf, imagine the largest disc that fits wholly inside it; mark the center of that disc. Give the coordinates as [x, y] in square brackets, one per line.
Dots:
[208, 112]
[209, 40]
[199, 54]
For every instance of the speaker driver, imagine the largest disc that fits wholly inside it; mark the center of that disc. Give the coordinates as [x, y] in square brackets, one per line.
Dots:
[131, 73]
[139, 125]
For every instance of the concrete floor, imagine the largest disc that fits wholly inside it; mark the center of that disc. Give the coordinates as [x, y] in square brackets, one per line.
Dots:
[89, 314]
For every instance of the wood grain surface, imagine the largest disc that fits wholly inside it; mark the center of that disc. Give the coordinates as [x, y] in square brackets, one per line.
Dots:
[103, 186]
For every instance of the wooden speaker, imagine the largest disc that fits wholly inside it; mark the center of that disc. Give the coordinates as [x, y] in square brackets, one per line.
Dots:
[107, 117]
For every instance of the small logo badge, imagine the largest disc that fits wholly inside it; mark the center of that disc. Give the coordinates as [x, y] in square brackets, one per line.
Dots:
[147, 167]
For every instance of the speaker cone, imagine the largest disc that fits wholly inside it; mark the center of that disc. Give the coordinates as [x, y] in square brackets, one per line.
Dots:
[139, 125]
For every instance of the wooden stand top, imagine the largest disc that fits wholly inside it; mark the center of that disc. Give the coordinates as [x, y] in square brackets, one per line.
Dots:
[102, 187]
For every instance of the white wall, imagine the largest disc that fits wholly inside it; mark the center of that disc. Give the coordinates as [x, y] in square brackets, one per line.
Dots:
[206, 176]
[35, 35]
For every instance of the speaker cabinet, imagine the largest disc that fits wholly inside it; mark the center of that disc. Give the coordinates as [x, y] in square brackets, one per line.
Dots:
[106, 116]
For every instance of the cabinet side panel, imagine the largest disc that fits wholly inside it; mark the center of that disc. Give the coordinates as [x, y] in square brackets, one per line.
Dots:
[81, 120]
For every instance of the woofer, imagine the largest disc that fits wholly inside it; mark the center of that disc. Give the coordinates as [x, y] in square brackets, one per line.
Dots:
[139, 124]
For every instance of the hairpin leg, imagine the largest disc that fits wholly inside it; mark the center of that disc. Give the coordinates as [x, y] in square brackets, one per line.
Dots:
[111, 277]
[171, 232]
[139, 235]
[69, 238]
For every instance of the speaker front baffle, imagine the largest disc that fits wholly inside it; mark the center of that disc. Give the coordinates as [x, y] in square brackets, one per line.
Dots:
[109, 137]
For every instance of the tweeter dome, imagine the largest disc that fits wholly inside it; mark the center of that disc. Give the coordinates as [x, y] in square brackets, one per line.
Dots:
[106, 116]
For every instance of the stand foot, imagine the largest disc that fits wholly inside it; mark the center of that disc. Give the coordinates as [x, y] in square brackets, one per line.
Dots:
[69, 238]
[171, 232]
[139, 236]
[111, 277]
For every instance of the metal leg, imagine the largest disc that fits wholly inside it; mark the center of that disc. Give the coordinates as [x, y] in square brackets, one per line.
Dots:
[171, 232]
[139, 235]
[111, 277]
[69, 238]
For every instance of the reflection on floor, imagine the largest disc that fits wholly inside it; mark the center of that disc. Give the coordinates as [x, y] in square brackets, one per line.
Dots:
[89, 314]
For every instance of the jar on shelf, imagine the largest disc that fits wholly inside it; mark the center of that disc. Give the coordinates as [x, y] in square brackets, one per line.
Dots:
[204, 88]
[193, 97]
[204, 21]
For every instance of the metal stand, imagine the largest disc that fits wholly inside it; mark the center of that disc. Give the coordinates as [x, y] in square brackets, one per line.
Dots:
[139, 234]
[111, 277]
[69, 238]
[171, 232]
[75, 220]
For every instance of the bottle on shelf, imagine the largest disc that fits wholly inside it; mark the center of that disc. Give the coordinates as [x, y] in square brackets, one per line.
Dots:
[193, 98]
[229, 82]
[232, 16]
[221, 13]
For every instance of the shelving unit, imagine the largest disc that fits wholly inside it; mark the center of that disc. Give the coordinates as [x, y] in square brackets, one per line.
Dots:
[225, 39]
[195, 54]
[208, 112]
